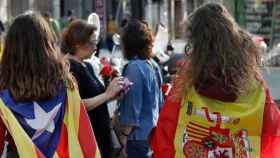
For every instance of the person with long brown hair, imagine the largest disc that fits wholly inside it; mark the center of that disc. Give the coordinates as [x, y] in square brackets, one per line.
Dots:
[40, 107]
[79, 43]
[220, 105]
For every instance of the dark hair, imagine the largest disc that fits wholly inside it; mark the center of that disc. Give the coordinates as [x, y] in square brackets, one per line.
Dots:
[221, 51]
[123, 22]
[137, 40]
[46, 14]
[70, 12]
[77, 33]
[30, 67]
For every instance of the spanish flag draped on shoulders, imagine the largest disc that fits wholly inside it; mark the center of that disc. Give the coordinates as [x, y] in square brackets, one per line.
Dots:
[55, 128]
[212, 123]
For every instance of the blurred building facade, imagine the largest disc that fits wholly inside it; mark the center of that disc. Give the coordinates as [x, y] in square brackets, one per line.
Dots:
[58, 8]
[258, 16]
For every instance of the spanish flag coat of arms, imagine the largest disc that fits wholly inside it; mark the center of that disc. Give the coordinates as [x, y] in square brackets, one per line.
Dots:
[201, 127]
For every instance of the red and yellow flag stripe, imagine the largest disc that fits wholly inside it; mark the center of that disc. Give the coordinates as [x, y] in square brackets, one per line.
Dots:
[76, 140]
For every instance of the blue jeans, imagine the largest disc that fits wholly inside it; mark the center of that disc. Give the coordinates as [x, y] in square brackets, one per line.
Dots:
[138, 149]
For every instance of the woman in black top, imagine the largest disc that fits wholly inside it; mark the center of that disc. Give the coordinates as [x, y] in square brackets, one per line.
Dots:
[79, 42]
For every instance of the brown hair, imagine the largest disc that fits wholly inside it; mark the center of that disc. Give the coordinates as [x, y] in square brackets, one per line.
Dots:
[221, 51]
[30, 67]
[77, 33]
[137, 40]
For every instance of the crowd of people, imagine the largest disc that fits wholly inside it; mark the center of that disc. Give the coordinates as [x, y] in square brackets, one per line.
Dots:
[55, 104]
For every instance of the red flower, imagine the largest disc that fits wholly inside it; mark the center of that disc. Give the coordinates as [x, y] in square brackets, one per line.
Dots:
[106, 71]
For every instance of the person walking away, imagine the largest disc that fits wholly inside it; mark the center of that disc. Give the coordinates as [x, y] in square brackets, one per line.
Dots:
[40, 107]
[139, 108]
[220, 106]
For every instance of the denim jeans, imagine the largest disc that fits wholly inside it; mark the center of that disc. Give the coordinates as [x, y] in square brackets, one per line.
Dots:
[138, 149]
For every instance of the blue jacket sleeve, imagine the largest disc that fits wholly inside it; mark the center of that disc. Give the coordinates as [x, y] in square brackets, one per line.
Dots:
[131, 103]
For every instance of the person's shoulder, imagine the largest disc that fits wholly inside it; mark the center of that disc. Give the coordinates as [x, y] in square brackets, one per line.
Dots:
[134, 66]
[74, 63]
[75, 67]
[135, 63]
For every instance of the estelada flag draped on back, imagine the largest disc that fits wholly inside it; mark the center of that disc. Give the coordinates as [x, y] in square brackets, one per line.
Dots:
[58, 127]
[198, 126]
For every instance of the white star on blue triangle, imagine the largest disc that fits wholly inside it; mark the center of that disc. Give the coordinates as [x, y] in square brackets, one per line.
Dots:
[43, 121]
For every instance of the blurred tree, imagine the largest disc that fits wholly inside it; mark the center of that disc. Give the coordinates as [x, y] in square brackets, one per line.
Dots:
[239, 13]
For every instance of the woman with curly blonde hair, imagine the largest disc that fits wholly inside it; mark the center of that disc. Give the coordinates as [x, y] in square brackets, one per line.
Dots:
[220, 105]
